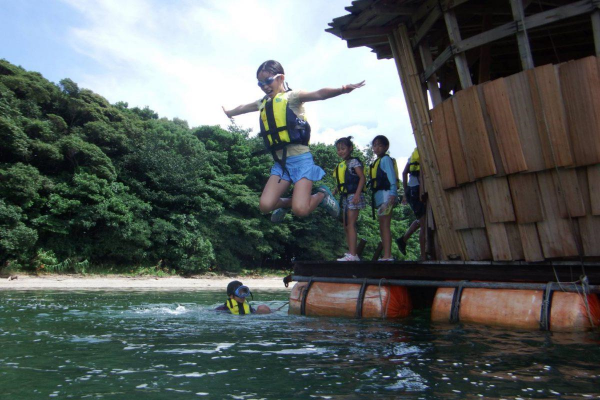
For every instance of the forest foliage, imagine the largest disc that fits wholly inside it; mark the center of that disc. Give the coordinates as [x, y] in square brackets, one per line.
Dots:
[83, 181]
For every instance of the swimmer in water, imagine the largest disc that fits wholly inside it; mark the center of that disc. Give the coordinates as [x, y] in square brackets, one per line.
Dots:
[237, 304]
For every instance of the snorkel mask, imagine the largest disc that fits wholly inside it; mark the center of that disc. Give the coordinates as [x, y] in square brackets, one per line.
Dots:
[242, 292]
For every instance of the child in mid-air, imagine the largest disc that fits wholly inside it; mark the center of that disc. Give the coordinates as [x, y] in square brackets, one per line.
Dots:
[286, 135]
[350, 178]
[384, 184]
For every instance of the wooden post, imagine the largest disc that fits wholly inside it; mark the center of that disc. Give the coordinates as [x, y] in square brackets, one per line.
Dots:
[460, 59]
[450, 241]
[432, 83]
[522, 38]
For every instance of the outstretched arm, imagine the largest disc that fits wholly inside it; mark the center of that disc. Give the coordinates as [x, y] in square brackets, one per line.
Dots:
[327, 93]
[243, 109]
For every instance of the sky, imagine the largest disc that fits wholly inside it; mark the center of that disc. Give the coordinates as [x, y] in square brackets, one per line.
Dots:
[187, 58]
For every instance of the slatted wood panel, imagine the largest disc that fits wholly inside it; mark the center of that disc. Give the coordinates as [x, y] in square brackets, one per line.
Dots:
[496, 199]
[593, 175]
[570, 199]
[459, 162]
[492, 138]
[556, 233]
[476, 244]
[514, 241]
[504, 127]
[475, 217]
[589, 225]
[523, 109]
[580, 86]
[473, 132]
[532, 249]
[459, 209]
[552, 120]
[442, 147]
[496, 232]
[526, 198]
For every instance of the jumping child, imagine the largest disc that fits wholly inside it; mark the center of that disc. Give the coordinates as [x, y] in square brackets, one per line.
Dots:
[286, 135]
[350, 180]
[383, 183]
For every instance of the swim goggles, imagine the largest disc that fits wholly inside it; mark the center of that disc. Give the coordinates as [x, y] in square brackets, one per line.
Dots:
[268, 81]
[242, 292]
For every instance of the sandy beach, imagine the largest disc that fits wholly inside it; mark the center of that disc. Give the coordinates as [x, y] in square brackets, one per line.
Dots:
[116, 282]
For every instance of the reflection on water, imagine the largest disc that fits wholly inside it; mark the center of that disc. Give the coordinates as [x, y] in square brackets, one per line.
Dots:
[117, 345]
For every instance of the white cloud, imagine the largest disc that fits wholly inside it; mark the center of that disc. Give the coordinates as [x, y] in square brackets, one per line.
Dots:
[188, 58]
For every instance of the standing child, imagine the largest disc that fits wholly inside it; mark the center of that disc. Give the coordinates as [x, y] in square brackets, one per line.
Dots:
[286, 134]
[350, 180]
[384, 184]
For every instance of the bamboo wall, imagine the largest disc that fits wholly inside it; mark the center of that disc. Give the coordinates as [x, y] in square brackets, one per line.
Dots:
[519, 163]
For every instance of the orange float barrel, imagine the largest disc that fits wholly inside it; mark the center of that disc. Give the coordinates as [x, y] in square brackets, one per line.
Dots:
[523, 309]
[342, 300]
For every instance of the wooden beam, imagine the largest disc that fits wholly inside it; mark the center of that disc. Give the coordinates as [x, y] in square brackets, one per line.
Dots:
[424, 10]
[432, 82]
[450, 241]
[532, 21]
[462, 66]
[368, 41]
[393, 9]
[431, 19]
[522, 39]
[365, 32]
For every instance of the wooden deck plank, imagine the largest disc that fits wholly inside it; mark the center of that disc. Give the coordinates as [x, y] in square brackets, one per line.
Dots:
[580, 86]
[442, 147]
[526, 198]
[504, 126]
[447, 270]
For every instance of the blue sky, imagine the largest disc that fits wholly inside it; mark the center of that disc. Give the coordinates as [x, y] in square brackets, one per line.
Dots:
[187, 58]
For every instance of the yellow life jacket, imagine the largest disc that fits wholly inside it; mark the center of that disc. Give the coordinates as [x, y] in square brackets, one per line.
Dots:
[414, 163]
[347, 183]
[234, 308]
[279, 125]
[378, 179]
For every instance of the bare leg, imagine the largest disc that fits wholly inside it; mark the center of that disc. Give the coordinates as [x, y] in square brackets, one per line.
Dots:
[350, 227]
[411, 229]
[271, 195]
[385, 223]
[303, 203]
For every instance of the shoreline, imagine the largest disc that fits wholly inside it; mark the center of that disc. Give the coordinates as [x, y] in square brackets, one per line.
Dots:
[119, 282]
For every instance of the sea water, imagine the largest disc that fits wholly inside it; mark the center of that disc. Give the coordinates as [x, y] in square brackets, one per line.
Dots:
[171, 345]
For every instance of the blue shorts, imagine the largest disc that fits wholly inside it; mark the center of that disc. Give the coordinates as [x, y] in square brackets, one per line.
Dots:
[300, 166]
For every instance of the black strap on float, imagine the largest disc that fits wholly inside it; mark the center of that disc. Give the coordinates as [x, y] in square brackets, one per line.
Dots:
[455, 307]
[546, 307]
[360, 299]
[304, 296]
